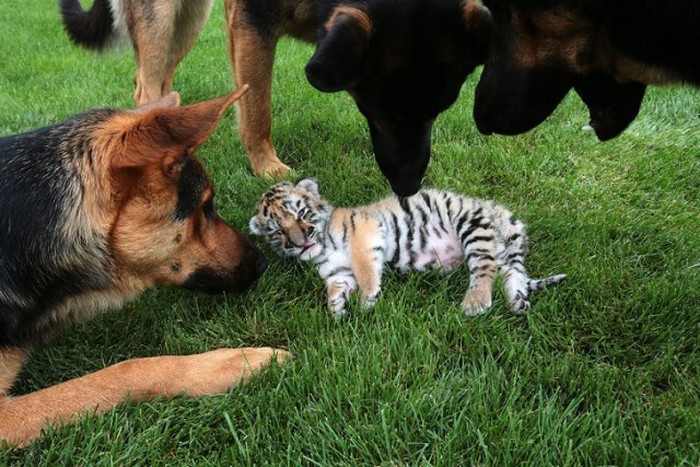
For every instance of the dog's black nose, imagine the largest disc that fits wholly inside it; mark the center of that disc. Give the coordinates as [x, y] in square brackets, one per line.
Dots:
[261, 264]
[405, 188]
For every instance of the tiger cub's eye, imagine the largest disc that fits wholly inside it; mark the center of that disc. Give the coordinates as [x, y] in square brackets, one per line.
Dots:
[275, 233]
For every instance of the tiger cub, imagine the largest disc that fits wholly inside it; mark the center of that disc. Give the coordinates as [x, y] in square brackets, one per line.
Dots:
[432, 228]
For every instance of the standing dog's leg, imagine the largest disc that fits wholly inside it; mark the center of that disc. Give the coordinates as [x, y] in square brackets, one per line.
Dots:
[22, 418]
[163, 33]
[152, 30]
[188, 24]
[252, 53]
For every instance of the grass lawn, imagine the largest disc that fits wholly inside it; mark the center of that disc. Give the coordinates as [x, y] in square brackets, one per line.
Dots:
[605, 369]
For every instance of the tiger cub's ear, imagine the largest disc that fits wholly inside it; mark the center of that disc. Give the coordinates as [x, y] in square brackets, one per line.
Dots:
[255, 227]
[309, 184]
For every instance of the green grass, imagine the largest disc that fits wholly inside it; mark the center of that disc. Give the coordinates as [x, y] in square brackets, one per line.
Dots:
[605, 369]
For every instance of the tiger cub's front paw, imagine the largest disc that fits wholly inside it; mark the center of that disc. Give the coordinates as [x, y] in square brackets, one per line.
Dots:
[338, 291]
[370, 299]
[336, 305]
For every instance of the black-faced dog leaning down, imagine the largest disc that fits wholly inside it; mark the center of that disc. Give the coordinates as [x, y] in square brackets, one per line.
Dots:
[403, 62]
[94, 211]
[607, 51]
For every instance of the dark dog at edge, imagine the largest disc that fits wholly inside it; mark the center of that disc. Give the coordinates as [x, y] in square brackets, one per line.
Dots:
[606, 50]
[403, 62]
[93, 211]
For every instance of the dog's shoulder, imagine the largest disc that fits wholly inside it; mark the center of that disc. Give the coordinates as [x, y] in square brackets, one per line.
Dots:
[659, 34]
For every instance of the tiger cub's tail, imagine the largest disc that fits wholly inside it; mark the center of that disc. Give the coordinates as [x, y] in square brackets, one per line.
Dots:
[538, 284]
[518, 286]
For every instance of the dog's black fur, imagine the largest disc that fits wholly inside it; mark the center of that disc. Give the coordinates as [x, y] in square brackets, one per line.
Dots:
[409, 69]
[35, 269]
[607, 51]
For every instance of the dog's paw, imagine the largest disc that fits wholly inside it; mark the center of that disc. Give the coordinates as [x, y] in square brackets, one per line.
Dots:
[217, 371]
[270, 167]
[257, 357]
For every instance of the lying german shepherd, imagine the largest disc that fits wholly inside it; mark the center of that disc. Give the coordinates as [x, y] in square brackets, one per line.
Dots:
[93, 211]
[403, 62]
[607, 50]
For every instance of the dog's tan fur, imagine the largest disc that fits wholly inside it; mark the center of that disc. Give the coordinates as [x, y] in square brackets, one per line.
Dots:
[164, 31]
[130, 193]
[559, 36]
[23, 417]
[358, 16]
[160, 45]
[252, 55]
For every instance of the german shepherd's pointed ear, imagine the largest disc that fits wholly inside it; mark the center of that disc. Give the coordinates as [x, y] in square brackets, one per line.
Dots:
[162, 131]
[479, 25]
[336, 64]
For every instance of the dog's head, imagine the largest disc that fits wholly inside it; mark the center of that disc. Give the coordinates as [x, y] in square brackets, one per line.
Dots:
[167, 230]
[403, 63]
[539, 51]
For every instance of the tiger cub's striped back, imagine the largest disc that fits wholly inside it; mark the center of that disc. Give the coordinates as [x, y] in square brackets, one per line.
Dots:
[433, 228]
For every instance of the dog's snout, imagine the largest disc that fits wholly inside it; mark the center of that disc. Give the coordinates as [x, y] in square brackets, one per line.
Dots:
[261, 264]
[252, 266]
[406, 189]
[482, 121]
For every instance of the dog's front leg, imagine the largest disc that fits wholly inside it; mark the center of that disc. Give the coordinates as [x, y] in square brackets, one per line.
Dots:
[252, 53]
[22, 418]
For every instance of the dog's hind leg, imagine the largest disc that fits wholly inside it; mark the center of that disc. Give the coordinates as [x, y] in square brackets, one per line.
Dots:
[152, 29]
[163, 32]
[252, 53]
[188, 24]
[22, 418]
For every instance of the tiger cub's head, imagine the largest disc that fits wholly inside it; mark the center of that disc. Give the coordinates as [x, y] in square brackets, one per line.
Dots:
[292, 218]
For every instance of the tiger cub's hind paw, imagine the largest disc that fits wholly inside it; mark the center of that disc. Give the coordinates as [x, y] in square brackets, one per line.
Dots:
[476, 302]
[339, 314]
[519, 304]
[336, 305]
